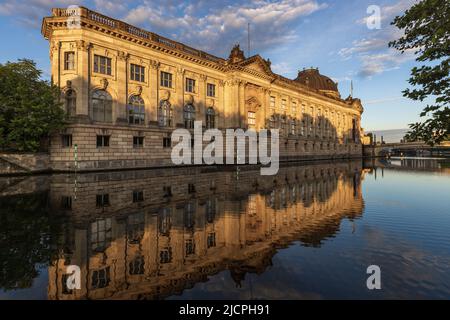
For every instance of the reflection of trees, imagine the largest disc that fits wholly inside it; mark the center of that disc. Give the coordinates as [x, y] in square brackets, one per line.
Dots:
[26, 240]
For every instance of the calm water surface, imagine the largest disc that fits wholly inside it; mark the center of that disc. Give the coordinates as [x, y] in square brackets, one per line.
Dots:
[221, 233]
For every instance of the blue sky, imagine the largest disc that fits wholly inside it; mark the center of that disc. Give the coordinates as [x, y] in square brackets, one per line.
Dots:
[330, 35]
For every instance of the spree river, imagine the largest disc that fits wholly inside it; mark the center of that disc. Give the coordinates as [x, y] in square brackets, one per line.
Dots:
[310, 232]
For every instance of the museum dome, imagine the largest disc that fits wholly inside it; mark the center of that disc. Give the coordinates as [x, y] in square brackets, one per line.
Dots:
[314, 80]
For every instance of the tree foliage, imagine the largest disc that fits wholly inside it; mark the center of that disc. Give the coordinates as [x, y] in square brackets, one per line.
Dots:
[29, 107]
[426, 27]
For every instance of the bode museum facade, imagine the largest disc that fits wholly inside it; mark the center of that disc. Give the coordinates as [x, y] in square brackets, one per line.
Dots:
[126, 89]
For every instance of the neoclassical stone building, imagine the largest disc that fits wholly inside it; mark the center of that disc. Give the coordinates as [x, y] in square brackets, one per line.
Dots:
[126, 89]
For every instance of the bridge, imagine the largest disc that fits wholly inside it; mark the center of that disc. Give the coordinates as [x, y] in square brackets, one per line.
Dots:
[406, 149]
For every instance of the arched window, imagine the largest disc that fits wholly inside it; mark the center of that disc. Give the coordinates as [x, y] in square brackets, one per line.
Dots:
[136, 110]
[164, 113]
[101, 106]
[164, 221]
[210, 118]
[71, 102]
[189, 116]
[272, 122]
[293, 126]
[283, 125]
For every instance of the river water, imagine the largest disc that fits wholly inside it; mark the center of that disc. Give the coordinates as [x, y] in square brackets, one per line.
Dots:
[310, 232]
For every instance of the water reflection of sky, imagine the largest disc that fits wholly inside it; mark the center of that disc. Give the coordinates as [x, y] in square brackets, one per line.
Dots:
[404, 227]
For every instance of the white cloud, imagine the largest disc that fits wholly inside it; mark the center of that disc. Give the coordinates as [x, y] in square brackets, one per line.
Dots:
[282, 68]
[31, 12]
[225, 23]
[110, 6]
[373, 50]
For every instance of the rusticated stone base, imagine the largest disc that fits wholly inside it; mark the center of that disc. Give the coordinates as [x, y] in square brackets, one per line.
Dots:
[120, 154]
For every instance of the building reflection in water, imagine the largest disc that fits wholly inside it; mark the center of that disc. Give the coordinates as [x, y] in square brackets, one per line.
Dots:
[152, 234]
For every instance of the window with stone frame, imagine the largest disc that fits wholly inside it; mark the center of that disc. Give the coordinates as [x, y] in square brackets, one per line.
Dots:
[294, 108]
[210, 118]
[272, 104]
[251, 119]
[100, 234]
[102, 65]
[164, 221]
[69, 60]
[189, 116]
[165, 255]
[66, 140]
[211, 90]
[137, 73]
[293, 129]
[102, 106]
[190, 85]
[189, 247]
[166, 79]
[164, 113]
[136, 110]
[283, 105]
[100, 278]
[211, 240]
[136, 266]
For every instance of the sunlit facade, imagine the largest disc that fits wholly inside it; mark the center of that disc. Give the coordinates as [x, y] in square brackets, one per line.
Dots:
[126, 89]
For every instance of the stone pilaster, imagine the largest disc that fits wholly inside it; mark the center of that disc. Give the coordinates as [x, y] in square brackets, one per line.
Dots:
[152, 111]
[82, 81]
[122, 88]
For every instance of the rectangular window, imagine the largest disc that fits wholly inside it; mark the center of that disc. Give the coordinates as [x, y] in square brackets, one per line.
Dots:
[190, 85]
[251, 117]
[102, 64]
[293, 127]
[66, 202]
[190, 247]
[100, 278]
[167, 142]
[165, 256]
[102, 141]
[138, 196]
[211, 241]
[102, 200]
[137, 73]
[101, 234]
[69, 60]
[166, 79]
[283, 105]
[191, 188]
[272, 103]
[66, 140]
[294, 108]
[211, 90]
[167, 190]
[138, 142]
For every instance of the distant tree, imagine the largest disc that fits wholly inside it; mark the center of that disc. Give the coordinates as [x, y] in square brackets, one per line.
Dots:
[29, 107]
[426, 28]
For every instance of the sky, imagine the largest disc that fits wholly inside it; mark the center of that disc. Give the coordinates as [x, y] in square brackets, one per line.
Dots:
[331, 35]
